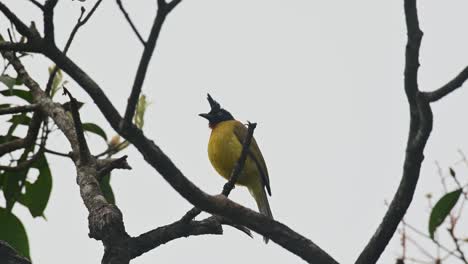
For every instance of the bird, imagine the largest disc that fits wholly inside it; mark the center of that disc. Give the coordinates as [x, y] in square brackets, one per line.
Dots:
[224, 150]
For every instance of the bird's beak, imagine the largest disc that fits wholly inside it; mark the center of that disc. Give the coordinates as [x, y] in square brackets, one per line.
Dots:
[207, 116]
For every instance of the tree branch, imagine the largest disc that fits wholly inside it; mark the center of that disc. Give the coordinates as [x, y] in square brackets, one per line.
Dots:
[129, 20]
[451, 86]
[20, 26]
[163, 11]
[18, 109]
[120, 163]
[36, 3]
[161, 235]
[49, 34]
[420, 129]
[218, 205]
[53, 152]
[81, 22]
[105, 220]
[85, 155]
[19, 47]
[240, 163]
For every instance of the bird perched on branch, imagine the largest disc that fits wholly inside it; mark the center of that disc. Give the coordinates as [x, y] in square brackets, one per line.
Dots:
[224, 150]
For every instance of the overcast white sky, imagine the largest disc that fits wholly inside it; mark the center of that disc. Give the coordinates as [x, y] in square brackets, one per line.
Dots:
[324, 81]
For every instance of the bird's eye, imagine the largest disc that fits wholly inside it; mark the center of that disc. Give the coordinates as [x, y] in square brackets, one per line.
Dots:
[220, 113]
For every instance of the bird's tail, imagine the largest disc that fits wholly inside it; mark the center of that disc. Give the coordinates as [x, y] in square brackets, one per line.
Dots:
[259, 194]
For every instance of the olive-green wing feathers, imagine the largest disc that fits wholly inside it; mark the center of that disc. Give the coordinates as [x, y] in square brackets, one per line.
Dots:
[255, 154]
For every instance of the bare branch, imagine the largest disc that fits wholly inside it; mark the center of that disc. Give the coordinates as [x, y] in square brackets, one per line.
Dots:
[18, 109]
[120, 163]
[129, 20]
[49, 34]
[22, 28]
[420, 129]
[240, 163]
[161, 235]
[65, 155]
[81, 22]
[451, 86]
[36, 3]
[105, 220]
[85, 155]
[163, 11]
[19, 47]
[171, 5]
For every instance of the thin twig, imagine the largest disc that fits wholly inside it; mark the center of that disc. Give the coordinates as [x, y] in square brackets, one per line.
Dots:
[241, 161]
[441, 176]
[81, 22]
[49, 34]
[451, 231]
[22, 28]
[36, 3]
[420, 248]
[129, 20]
[417, 231]
[66, 155]
[18, 109]
[163, 10]
[451, 86]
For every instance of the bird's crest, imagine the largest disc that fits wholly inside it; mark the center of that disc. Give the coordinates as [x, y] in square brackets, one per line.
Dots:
[214, 105]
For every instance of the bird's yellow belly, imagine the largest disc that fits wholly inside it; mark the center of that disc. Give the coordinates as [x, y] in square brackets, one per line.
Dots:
[224, 151]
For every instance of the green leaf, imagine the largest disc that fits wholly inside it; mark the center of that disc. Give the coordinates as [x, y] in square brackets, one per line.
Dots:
[442, 209]
[21, 119]
[12, 231]
[93, 128]
[37, 193]
[11, 186]
[8, 81]
[106, 189]
[25, 95]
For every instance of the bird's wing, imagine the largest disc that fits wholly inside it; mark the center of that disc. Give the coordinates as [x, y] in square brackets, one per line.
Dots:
[255, 154]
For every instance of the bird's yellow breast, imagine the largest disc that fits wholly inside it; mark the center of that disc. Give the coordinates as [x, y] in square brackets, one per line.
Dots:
[224, 150]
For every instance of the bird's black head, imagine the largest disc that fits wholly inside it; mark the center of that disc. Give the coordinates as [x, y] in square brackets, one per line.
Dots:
[217, 114]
